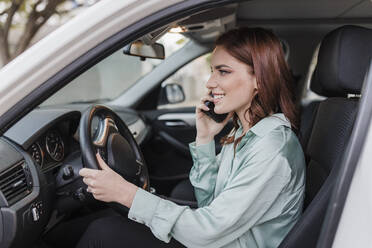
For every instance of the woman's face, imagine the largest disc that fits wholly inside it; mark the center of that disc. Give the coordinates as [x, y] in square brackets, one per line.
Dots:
[232, 83]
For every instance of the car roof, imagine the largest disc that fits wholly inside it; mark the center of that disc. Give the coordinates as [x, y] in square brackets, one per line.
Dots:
[304, 9]
[319, 14]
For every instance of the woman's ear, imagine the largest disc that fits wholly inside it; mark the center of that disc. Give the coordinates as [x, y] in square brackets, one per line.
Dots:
[255, 93]
[255, 89]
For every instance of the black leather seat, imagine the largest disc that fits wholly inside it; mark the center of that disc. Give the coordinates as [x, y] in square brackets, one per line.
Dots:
[308, 114]
[342, 62]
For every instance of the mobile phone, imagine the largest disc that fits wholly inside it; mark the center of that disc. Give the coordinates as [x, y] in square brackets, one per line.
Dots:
[216, 117]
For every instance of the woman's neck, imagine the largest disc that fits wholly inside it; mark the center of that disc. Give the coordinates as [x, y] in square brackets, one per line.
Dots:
[244, 120]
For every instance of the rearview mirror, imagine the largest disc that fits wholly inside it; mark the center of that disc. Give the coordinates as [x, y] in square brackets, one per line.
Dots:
[138, 48]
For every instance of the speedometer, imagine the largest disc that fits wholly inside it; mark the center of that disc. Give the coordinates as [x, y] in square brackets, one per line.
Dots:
[37, 153]
[54, 145]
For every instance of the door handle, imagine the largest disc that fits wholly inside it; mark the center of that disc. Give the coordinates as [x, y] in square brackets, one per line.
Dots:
[188, 119]
[176, 124]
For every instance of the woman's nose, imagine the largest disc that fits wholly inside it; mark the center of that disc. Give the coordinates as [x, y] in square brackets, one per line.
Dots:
[211, 83]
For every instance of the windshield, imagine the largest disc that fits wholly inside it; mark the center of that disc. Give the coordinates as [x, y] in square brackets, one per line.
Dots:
[112, 76]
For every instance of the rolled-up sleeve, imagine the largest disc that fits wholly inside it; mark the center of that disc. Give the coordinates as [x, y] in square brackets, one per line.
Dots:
[203, 174]
[245, 199]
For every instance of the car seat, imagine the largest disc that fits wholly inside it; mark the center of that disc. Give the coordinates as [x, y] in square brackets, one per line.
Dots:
[343, 60]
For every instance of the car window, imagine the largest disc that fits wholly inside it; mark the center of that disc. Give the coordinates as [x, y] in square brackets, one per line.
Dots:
[113, 75]
[192, 77]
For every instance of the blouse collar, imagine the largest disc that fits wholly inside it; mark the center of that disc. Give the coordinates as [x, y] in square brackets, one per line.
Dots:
[267, 124]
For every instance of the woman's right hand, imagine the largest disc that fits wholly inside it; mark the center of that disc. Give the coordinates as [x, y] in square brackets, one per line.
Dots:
[207, 128]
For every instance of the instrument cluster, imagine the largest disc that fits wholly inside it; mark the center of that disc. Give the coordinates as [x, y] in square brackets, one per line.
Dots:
[49, 149]
[55, 144]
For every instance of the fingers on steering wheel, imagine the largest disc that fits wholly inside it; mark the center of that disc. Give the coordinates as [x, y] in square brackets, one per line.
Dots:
[90, 173]
[88, 182]
[101, 162]
[91, 190]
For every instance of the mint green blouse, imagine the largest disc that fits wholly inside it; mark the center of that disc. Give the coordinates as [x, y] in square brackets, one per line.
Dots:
[248, 199]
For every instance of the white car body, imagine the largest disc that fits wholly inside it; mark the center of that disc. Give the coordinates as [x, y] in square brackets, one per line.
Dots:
[42, 61]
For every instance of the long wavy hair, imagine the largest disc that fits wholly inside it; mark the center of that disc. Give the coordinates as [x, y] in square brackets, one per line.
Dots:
[262, 50]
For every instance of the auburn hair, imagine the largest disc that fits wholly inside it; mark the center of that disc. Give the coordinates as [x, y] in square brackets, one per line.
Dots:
[262, 50]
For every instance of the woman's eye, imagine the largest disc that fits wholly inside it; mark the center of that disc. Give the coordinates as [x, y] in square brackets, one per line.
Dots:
[222, 72]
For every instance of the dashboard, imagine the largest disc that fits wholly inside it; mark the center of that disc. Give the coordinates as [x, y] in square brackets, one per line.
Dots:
[39, 150]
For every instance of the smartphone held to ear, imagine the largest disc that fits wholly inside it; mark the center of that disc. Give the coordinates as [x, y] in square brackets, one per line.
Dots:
[216, 117]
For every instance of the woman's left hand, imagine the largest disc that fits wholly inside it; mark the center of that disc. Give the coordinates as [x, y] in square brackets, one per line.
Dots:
[107, 185]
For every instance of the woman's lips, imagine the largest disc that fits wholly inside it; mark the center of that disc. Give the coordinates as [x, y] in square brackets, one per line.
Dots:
[217, 98]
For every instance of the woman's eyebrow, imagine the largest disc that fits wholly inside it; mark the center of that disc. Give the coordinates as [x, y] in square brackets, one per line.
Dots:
[220, 66]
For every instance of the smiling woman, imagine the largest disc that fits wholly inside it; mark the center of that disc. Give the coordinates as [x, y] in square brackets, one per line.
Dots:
[269, 90]
[265, 164]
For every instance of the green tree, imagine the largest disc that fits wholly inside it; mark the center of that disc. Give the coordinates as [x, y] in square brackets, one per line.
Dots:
[28, 16]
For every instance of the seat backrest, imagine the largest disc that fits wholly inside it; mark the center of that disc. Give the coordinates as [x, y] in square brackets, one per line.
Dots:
[332, 127]
[308, 113]
[342, 63]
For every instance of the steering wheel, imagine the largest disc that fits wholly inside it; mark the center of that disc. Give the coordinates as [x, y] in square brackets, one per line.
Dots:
[114, 142]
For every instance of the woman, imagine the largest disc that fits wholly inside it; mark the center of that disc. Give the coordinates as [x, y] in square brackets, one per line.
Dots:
[251, 194]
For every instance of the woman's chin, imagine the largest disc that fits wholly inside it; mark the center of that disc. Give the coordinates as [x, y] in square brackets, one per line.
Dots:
[219, 111]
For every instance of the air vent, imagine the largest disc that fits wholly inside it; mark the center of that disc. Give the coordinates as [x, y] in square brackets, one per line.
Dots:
[15, 183]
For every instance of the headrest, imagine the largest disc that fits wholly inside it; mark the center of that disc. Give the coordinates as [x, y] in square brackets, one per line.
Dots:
[343, 59]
